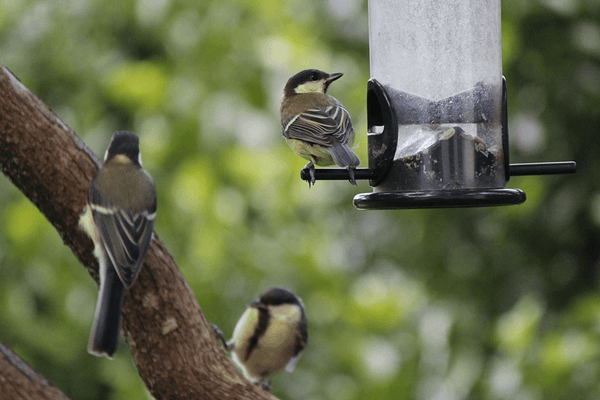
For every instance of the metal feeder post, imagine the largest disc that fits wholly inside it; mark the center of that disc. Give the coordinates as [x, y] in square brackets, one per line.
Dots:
[437, 108]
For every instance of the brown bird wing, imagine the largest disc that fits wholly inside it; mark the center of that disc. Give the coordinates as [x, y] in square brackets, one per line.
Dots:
[322, 126]
[301, 340]
[126, 237]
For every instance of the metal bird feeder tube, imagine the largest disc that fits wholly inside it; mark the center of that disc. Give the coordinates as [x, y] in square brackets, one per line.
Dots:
[437, 109]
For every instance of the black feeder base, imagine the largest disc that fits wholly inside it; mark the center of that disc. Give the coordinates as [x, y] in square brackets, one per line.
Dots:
[439, 199]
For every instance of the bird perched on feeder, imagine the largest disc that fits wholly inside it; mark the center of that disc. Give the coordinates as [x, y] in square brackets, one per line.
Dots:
[118, 217]
[317, 127]
[270, 335]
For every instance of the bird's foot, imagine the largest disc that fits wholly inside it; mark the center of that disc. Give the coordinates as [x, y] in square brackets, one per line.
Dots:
[311, 170]
[351, 174]
[265, 385]
[220, 336]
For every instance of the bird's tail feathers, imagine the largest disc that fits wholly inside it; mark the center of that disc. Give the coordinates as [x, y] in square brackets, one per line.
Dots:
[104, 338]
[343, 156]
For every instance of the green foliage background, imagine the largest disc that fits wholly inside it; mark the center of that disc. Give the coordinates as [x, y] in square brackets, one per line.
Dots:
[494, 303]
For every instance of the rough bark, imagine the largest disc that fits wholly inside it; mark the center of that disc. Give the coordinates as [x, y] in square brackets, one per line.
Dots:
[174, 349]
[19, 381]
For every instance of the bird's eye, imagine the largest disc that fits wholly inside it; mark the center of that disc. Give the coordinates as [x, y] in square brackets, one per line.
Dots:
[314, 77]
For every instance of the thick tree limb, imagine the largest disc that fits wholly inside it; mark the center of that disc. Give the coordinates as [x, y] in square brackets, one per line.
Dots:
[174, 349]
[18, 381]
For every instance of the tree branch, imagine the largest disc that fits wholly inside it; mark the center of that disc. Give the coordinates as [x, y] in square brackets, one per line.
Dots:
[174, 348]
[19, 381]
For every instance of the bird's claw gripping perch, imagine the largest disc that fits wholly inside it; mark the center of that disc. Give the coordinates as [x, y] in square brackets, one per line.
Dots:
[352, 179]
[220, 336]
[311, 170]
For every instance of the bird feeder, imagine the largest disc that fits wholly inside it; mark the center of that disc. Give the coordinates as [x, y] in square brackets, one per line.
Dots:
[437, 108]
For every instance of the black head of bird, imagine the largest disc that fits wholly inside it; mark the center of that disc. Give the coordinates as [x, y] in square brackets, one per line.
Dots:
[310, 81]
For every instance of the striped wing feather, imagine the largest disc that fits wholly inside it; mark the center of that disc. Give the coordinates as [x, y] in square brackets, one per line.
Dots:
[322, 126]
[126, 236]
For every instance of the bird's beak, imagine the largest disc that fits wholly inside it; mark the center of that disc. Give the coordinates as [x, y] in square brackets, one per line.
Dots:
[333, 77]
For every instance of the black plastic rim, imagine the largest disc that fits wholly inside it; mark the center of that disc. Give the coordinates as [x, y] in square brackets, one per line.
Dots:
[439, 199]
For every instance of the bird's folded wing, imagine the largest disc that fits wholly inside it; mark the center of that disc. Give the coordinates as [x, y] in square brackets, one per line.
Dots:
[322, 126]
[126, 236]
[301, 340]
